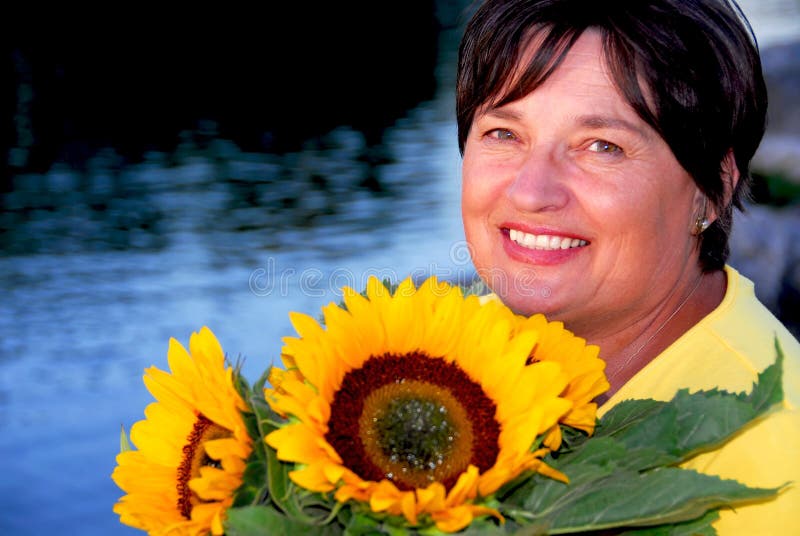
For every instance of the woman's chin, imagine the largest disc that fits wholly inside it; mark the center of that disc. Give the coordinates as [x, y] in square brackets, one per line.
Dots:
[534, 300]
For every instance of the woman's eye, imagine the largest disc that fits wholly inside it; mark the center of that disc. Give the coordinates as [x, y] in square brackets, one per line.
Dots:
[602, 146]
[501, 134]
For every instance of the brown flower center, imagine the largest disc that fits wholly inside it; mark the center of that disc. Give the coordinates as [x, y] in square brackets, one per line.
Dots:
[414, 420]
[195, 457]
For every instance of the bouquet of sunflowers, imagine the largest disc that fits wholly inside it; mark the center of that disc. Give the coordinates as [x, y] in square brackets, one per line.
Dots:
[422, 410]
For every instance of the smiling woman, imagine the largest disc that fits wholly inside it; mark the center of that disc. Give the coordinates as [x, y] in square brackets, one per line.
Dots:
[604, 150]
[587, 172]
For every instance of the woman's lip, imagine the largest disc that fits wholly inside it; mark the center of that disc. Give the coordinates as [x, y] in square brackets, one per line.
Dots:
[559, 247]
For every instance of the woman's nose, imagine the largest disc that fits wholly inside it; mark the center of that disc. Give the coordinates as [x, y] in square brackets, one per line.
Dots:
[539, 184]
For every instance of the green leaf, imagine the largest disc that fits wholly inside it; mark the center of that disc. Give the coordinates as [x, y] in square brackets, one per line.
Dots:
[278, 481]
[626, 415]
[261, 382]
[485, 526]
[124, 444]
[768, 391]
[263, 520]
[253, 488]
[255, 482]
[239, 381]
[587, 467]
[612, 455]
[477, 287]
[598, 499]
[571, 438]
[626, 475]
[692, 423]
[361, 524]
[301, 505]
[699, 527]
[672, 495]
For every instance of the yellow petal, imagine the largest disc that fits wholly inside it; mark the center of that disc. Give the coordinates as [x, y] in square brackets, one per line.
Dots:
[221, 448]
[333, 472]
[312, 477]
[306, 326]
[409, 506]
[549, 472]
[180, 362]
[494, 478]
[583, 417]
[453, 519]
[465, 488]
[553, 438]
[385, 497]
[377, 291]
[205, 348]
[432, 498]
[296, 443]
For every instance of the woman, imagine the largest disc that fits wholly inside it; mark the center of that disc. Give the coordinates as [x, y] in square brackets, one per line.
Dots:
[605, 145]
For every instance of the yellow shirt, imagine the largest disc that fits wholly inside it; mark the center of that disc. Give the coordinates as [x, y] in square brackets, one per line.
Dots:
[727, 349]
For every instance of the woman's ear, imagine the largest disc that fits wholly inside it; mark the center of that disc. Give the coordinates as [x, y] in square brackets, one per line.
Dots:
[729, 174]
[706, 213]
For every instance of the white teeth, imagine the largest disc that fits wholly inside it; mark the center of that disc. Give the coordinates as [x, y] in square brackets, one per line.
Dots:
[547, 242]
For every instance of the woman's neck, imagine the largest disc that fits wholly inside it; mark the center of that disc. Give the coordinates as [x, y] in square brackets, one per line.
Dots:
[631, 349]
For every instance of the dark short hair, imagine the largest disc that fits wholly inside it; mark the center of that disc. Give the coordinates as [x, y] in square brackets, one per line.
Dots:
[697, 59]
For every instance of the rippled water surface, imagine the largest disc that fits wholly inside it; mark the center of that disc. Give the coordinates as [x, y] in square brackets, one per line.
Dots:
[99, 271]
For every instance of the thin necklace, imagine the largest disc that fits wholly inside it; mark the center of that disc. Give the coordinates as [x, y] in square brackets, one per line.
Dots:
[657, 331]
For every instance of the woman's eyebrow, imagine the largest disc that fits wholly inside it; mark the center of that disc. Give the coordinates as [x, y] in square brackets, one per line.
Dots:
[593, 121]
[615, 123]
[502, 113]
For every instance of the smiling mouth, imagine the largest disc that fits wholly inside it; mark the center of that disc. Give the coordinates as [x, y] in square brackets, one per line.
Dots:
[544, 242]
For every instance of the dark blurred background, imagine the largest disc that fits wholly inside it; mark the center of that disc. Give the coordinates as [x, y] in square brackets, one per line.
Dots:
[268, 78]
[97, 93]
[167, 169]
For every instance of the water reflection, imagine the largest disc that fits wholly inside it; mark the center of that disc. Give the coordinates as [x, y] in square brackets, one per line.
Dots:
[104, 261]
[328, 185]
[97, 294]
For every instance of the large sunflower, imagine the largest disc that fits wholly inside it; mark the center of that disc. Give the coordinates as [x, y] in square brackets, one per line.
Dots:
[420, 403]
[192, 446]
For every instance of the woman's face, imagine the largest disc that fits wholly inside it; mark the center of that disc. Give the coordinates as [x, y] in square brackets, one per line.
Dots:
[573, 206]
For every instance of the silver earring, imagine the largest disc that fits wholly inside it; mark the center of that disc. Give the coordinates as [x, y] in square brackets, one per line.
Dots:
[700, 225]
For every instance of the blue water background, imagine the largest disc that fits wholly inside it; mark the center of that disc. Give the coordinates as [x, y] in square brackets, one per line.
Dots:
[83, 316]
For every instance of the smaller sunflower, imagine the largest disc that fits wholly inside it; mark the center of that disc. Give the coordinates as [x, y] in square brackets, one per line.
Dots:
[420, 404]
[192, 446]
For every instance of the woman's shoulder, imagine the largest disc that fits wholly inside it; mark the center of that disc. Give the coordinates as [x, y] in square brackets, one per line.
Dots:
[726, 349]
[747, 327]
[741, 336]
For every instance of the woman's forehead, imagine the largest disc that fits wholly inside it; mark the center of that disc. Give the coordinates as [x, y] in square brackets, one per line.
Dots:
[587, 56]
